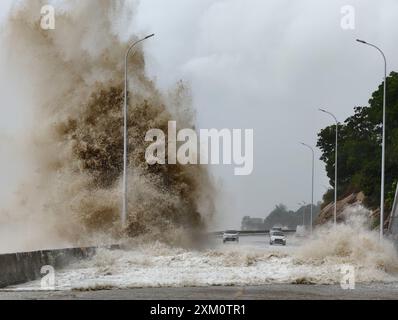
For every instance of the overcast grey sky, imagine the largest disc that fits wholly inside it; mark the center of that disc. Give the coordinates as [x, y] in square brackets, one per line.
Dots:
[267, 65]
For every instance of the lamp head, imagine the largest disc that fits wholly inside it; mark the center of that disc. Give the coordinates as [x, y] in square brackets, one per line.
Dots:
[361, 41]
[150, 36]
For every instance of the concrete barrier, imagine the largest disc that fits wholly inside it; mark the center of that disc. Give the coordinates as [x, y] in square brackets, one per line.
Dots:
[17, 268]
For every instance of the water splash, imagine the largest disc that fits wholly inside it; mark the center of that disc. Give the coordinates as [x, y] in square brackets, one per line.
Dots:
[75, 142]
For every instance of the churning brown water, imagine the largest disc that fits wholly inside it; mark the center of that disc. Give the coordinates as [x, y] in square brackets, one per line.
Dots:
[75, 147]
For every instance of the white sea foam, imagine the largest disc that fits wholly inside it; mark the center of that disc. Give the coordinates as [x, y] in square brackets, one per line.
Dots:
[253, 262]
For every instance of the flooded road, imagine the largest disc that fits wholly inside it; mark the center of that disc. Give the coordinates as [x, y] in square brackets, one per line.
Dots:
[250, 269]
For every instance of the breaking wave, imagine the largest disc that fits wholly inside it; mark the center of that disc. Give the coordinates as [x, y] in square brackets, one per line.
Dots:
[318, 260]
[75, 145]
[352, 243]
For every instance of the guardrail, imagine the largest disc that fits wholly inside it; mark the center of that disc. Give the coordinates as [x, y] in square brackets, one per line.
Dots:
[250, 232]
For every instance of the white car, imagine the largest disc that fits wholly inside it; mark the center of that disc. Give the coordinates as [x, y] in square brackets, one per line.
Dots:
[277, 237]
[230, 235]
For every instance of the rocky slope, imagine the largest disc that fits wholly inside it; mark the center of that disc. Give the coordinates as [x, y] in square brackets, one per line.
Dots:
[327, 212]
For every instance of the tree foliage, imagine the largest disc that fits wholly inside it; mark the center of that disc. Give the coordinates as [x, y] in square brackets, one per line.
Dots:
[359, 153]
[283, 217]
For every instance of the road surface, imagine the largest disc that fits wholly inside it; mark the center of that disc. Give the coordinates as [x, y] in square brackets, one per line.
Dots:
[264, 292]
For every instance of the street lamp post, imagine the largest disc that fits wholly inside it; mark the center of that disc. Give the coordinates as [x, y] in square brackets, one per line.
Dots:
[124, 208]
[335, 164]
[312, 183]
[383, 142]
[303, 204]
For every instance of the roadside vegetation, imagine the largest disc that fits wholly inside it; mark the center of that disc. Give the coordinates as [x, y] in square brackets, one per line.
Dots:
[360, 135]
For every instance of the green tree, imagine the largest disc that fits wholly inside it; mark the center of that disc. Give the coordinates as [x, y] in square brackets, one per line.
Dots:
[281, 216]
[360, 146]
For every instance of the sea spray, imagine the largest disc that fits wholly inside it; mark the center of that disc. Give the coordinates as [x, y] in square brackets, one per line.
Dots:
[75, 145]
[318, 260]
[352, 243]
[313, 261]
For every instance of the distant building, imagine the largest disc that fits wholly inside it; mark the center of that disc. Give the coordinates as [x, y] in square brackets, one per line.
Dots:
[254, 224]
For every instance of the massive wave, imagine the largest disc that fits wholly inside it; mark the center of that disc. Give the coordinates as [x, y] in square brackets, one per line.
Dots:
[76, 142]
